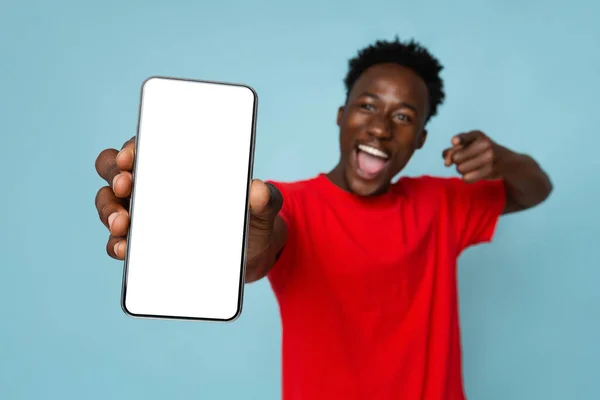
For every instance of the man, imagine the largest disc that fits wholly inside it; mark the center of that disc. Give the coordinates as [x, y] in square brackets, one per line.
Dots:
[364, 269]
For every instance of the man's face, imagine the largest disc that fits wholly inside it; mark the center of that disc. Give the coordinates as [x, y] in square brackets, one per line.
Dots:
[381, 126]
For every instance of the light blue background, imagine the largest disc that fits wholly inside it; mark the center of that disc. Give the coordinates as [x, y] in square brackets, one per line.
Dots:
[70, 74]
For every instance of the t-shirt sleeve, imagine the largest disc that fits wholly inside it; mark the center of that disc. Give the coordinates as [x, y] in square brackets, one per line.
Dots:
[280, 272]
[474, 209]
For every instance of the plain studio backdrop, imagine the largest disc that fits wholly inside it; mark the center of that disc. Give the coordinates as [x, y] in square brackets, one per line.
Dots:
[524, 72]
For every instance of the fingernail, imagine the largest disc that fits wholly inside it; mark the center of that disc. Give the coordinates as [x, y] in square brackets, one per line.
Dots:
[117, 248]
[111, 219]
[115, 180]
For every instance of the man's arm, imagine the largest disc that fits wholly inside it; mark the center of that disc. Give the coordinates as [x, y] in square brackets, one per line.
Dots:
[267, 233]
[527, 185]
[260, 264]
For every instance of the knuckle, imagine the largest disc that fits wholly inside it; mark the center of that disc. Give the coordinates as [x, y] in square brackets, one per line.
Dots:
[110, 247]
[107, 209]
[105, 191]
[129, 142]
[102, 193]
[489, 156]
[105, 155]
[106, 163]
[100, 160]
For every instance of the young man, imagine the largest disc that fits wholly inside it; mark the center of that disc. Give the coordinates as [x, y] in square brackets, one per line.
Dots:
[364, 269]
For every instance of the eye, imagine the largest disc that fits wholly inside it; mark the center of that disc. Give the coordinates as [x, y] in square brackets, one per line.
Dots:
[402, 117]
[367, 106]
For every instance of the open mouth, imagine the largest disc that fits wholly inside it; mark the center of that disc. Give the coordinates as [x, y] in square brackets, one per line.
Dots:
[370, 161]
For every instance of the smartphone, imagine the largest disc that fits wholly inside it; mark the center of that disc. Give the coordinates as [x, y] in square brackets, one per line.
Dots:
[189, 206]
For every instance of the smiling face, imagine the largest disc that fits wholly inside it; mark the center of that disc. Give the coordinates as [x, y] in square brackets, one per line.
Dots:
[381, 126]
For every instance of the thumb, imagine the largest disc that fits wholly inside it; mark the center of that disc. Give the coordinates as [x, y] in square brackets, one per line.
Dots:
[467, 138]
[265, 199]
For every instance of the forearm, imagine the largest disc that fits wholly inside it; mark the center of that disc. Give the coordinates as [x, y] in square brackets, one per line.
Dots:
[260, 264]
[527, 185]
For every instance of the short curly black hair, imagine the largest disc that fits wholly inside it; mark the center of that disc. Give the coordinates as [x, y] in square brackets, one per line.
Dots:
[409, 54]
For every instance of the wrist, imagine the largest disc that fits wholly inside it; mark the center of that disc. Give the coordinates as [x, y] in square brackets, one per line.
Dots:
[509, 163]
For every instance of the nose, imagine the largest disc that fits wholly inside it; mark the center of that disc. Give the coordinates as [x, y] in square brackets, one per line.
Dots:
[379, 128]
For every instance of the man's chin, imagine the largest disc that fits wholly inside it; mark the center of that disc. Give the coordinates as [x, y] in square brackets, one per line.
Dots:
[368, 187]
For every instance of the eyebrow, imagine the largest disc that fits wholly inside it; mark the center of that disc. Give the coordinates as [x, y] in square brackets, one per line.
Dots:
[402, 104]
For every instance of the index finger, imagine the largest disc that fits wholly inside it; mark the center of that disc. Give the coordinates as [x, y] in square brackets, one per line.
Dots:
[448, 154]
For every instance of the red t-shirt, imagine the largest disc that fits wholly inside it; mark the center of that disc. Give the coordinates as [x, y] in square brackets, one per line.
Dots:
[367, 287]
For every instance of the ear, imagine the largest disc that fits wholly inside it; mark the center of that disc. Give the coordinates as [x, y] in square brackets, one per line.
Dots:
[421, 139]
[340, 113]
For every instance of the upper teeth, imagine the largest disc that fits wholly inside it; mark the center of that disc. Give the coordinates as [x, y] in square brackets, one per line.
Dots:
[373, 151]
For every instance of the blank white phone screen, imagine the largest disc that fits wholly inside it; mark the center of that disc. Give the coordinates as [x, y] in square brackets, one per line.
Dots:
[194, 153]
